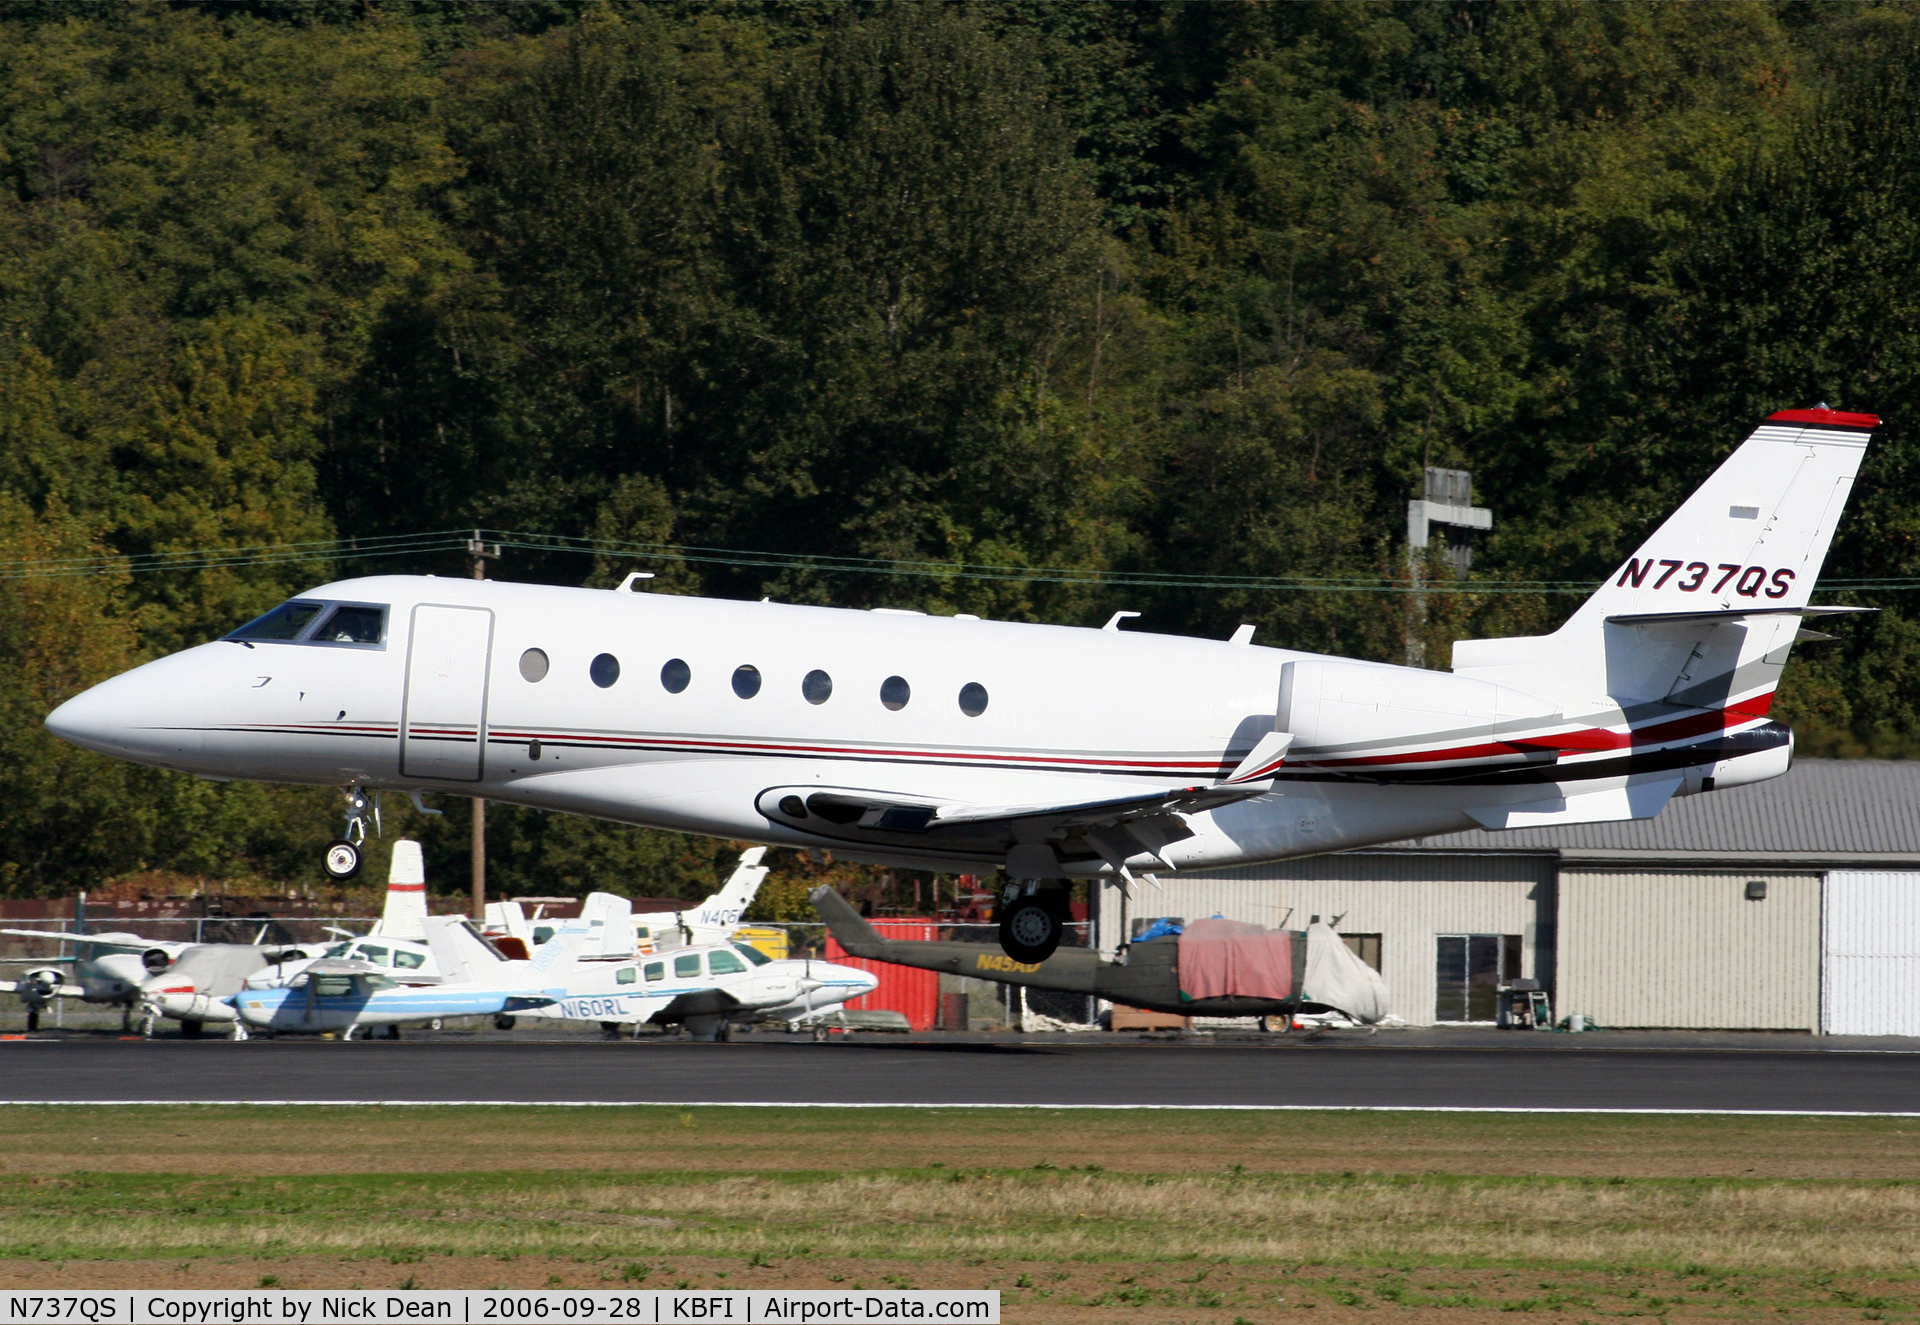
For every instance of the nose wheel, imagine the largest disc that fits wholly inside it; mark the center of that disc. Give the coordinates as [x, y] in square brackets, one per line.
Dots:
[342, 860]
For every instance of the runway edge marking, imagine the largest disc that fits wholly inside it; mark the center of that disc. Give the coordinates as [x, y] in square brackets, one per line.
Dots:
[817, 1104]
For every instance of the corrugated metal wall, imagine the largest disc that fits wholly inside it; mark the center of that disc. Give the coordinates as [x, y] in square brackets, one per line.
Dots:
[1870, 936]
[1406, 898]
[904, 989]
[1665, 948]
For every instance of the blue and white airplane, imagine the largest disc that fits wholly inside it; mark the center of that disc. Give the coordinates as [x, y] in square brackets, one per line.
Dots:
[346, 997]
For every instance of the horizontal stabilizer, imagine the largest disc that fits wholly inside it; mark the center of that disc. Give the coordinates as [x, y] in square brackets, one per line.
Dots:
[1727, 614]
[1636, 800]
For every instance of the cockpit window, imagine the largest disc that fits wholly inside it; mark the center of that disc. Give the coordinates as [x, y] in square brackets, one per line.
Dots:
[352, 625]
[754, 955]
[304, 621]
[338, 949]
[285, 622]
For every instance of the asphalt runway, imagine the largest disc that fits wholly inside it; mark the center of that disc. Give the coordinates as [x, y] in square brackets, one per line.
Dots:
[931, 1072]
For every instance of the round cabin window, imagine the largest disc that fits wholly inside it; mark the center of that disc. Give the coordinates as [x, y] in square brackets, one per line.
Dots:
[746, 681]
[973, 699]
[675, 675]
[604, 670]
[894, 692]
[533, 665]
[817, 688]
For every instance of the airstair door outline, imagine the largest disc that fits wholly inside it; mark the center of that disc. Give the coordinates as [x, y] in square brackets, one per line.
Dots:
[444, 722]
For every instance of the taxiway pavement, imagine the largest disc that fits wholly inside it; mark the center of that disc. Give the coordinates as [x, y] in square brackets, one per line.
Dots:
[933, 1071]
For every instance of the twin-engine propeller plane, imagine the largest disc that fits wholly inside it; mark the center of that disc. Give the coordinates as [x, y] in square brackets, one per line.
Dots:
[1054, 753]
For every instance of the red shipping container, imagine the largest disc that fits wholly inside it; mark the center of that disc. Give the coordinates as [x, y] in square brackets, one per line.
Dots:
[903, 989]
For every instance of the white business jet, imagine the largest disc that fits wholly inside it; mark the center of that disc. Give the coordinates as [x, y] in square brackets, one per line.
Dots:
[1052, 752]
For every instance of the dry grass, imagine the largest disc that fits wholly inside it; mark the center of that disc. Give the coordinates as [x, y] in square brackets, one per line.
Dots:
[990, 1215]
[649, 1138]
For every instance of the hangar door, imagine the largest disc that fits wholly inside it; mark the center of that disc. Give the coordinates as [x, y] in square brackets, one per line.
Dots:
[1870, 953]
[444, 732]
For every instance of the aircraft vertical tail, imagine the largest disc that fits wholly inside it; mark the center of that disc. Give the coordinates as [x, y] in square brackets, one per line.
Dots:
[405, 913]
[721, 913]
[1705, 611]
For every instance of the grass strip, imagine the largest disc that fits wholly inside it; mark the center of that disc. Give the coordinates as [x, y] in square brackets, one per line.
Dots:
[1047, 1214]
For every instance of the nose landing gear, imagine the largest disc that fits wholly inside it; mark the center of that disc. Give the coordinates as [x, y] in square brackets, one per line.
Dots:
[343, 857]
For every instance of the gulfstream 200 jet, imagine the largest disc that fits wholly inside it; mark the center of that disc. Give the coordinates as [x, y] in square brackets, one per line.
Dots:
[1050, 752]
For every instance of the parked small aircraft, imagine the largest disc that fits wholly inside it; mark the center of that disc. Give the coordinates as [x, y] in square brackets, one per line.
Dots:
[612, 930]
[157, 977]
[708, 987]
[1054, 753]
[103, 968]
[346, 997]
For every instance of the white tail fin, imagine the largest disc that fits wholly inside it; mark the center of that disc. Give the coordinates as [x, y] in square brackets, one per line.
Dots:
[405, 914]
[1703, 615]
[462, 955]
[466, 957]
[510, 919]
[609, 921]
[721, 913]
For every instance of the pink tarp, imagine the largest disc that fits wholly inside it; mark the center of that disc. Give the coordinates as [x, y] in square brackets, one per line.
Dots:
[1222, 957]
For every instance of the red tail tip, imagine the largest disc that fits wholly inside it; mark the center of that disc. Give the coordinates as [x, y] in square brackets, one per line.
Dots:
[1840, 417]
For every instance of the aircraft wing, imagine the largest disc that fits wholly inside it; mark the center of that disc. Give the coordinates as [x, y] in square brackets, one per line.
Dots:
[115, 940]
[902, 814]
[1115, 829]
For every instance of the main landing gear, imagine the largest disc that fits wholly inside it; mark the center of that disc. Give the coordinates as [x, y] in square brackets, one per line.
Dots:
[343, 858]
[1033, 919]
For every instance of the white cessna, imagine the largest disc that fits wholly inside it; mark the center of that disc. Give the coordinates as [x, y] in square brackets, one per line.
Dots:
[1052, 752]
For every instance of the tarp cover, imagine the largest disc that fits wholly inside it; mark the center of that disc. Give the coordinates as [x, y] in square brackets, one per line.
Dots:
[1223, 957]
[1338, 978]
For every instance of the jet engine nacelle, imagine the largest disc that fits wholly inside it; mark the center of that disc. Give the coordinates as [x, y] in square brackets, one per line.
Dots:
[1336, 707]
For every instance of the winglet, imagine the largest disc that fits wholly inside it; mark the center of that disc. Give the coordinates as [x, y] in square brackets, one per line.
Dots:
[1263, 761]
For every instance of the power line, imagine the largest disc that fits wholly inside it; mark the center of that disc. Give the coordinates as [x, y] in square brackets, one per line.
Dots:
[455, 541]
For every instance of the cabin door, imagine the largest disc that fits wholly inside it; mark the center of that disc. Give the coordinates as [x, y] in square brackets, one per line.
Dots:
[444, 727]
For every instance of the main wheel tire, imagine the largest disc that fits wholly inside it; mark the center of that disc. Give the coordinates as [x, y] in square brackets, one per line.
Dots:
[192, 1029]
[342, 860]
[1031, 927]
[503, 1022]
[33, 1019]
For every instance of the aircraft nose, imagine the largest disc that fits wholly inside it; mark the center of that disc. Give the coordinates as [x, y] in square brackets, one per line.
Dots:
[146, 715]
[89, 719]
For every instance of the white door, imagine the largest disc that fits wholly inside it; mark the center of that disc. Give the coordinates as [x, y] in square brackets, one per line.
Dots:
[445, 730]
[1870, 958]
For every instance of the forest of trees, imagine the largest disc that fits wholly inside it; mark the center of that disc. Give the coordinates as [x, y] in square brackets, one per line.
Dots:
[1029, 309]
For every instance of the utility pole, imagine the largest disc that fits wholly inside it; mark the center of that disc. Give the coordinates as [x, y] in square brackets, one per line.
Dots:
[480, 554]
[1449, 502]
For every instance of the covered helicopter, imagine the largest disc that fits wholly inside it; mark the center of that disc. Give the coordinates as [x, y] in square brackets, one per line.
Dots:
[1214, 968]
